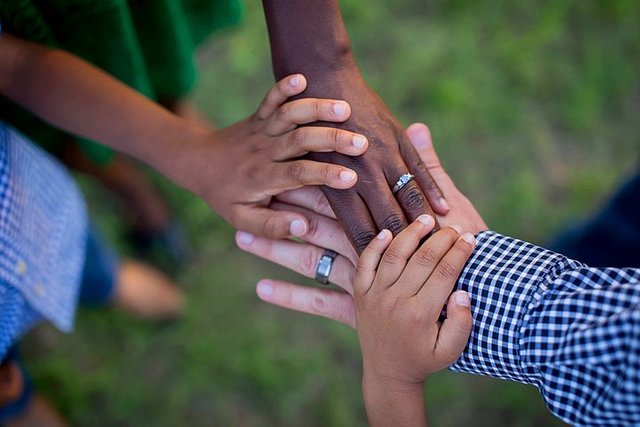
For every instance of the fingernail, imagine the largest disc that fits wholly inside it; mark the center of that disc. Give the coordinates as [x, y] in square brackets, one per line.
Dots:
[420, 140]
[443, 204]
[339, 108]
[382, 235]
[294, 81]
[244, 238]
[469, 238]
[265, 289]
[359, 141]
[462, 298]
[347, 176]
[426, 219]
[297, 227]
[457, 228]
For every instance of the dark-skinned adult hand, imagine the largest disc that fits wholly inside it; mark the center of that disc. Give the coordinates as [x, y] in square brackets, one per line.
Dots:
[310, 37]
[370, 205]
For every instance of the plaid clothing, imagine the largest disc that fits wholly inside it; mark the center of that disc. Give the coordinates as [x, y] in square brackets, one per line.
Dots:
[43, 228]
[568, 329]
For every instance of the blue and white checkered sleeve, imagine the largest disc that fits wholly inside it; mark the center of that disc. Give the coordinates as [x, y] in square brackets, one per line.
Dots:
[570, 330]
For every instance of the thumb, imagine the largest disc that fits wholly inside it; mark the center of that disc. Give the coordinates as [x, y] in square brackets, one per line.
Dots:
[270, 223]
[455, 330]
[420, 138]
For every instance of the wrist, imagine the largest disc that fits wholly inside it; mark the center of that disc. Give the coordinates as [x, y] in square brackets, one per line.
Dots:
[179, 148]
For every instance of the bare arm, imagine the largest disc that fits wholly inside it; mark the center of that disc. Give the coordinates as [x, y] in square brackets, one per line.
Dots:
[236, 170]
[309, 37]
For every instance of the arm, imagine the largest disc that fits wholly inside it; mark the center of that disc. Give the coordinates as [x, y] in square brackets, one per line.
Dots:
[539, 318]
[309, 37]
[236, 170]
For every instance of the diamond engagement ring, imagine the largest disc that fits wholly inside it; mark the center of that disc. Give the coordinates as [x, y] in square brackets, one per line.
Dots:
[324, 266]
[402, 181]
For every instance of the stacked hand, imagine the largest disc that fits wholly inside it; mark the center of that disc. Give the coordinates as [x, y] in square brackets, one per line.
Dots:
[239, 169]
[371, 205]
[325, 232]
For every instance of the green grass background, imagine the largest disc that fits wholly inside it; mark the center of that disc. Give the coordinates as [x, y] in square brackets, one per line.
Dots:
[534, 109]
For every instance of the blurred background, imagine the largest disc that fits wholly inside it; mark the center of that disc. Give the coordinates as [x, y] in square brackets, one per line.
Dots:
[534, 108]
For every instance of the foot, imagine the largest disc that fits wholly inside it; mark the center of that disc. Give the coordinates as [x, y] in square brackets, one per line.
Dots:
[38, 413]
[145, 292]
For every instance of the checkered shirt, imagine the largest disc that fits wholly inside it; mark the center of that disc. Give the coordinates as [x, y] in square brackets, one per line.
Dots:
[43, 227]
[570, 330]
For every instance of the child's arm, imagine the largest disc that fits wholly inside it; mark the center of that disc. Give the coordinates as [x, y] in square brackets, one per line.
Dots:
[236, 170]
[400, 289]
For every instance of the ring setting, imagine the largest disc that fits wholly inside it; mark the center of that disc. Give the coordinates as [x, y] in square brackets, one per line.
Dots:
[324, 266]
[402, 181]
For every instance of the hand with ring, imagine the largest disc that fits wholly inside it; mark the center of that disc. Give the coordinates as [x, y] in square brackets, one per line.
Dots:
[325, 232]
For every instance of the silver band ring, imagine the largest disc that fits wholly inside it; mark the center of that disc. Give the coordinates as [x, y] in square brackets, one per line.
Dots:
[402, 181]
[324, 266]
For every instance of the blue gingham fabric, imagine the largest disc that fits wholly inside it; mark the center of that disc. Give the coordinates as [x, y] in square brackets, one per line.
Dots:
[570, 330]
[43, 228]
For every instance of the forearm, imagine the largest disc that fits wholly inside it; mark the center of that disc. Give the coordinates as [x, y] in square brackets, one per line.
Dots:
[543, 319]
[307, 37]
[390, 404]
[81, 99]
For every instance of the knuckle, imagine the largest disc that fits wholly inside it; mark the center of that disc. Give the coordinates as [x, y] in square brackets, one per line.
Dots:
[316, 108]
[334, 137]
[318, 304]
[362, 238]
[418, 315]
[295, 171]
[445, 270]
[299, 137]
[314, 227]
[308, 261]
[390, 304]
[283, 113]
[270, 226]
[425, 256]
[413, 198]
[392, 255]
[393, 223]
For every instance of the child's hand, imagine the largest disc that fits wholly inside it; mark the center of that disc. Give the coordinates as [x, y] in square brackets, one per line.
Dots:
[239, 169]
[399, 295]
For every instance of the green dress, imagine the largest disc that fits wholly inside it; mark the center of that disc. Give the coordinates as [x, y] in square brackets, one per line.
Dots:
[147, 44]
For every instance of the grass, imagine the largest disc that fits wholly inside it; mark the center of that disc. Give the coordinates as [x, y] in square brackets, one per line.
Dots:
[534, 111]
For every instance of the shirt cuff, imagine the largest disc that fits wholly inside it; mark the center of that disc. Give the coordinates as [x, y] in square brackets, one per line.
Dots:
[502, 277]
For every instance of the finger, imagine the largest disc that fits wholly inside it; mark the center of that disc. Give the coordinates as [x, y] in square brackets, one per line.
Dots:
[442, 280]
[353, 215]
[400, 250]
[420, 157]
[299, 173]
[310, 197]
[410, 197]
[302, 258]
[279, 93]
[319, 302]
[426, 259]
[384, 207]
[318, 139]
[270, 223]
[322, 231]
[455, 330]
[369, 261]
[307, 110]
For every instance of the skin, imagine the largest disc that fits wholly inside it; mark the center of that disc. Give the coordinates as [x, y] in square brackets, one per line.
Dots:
[325, 232]
[400, 287]
[236, 170]
[310, 37]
